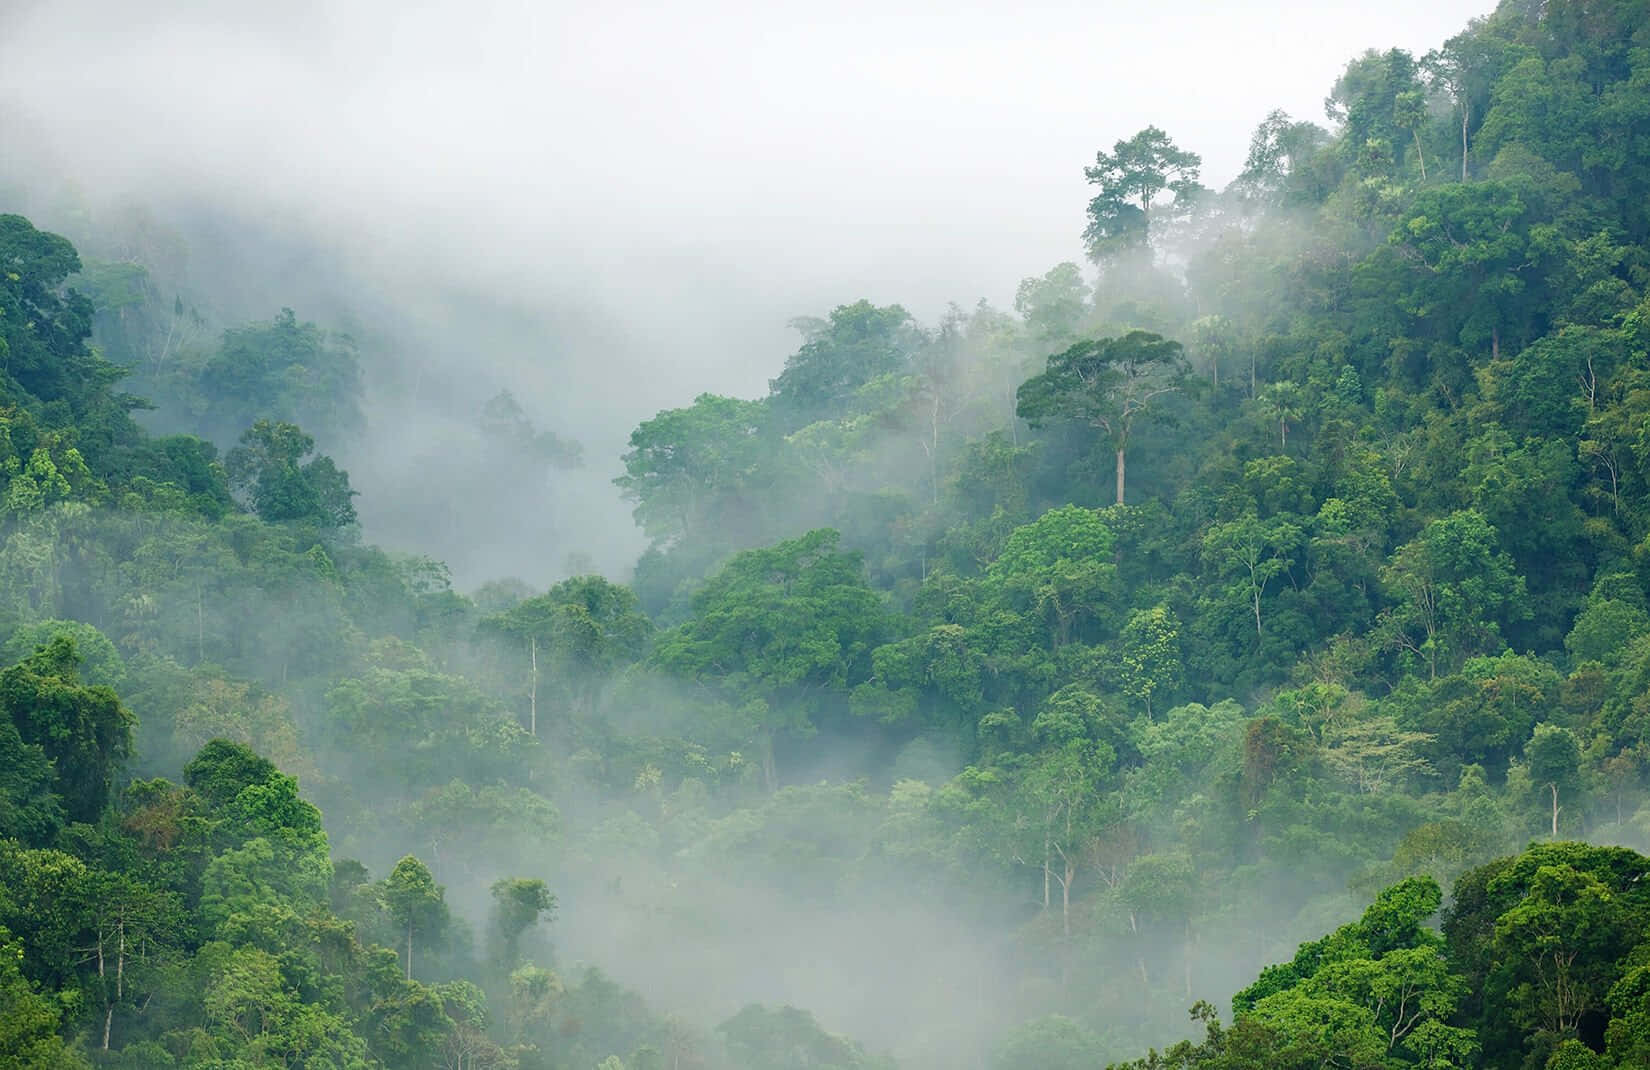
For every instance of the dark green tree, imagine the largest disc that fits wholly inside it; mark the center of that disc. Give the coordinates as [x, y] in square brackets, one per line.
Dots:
[1130, 178]
[83, 731]
[275, 467]
[1108, 384]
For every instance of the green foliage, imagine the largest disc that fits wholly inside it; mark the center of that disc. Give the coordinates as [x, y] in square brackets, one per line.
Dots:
[1130, 179]
[83, 731]
[786, 1038]
[1375, 612]
[43, 328]
[778, 630]
[688, 469]
[518, 904]
[1108, 384]
[1055, 1042]
[1455, 591]
[28, 1028]
[282, 371]
[273, 468]
[839, 356]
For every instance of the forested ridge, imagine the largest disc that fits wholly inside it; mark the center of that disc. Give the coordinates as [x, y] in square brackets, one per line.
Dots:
[993, 691]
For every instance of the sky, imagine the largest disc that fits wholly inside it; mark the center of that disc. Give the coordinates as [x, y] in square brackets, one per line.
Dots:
[681, 178]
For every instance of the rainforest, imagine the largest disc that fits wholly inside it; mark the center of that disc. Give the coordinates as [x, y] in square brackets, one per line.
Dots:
[1229, 650]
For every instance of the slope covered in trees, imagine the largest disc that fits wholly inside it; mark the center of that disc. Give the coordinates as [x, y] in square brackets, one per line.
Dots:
[995, 689]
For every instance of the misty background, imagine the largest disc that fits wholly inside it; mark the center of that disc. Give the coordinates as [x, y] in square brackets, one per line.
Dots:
[608, 209]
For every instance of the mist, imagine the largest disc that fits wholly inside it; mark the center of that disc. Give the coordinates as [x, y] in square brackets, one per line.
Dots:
[608, 211]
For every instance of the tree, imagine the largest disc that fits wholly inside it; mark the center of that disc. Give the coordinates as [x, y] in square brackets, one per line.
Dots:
[282, 371]
[763, 1038]
[1379, 988]
[31, 812]
[1151, 655]
[1455, 588]
[1374, 754]
[506, 425]
[692, 471]
[1553, 759]
[1282, 402]
[28, 1028]
[1054, 306]
[222, 770]
[1254, 552]
[99, 664]
[1561, 940]
[44, 328]
[1054, 1042]
[518, 904]
[1459, 69]
[1108, 384]
[839, 355]
[1130, 179]
[417, 904]
[269, 468]
[1409, 112]
[1060, 801]
[129, 927]
[1059, 570]
[1477, 253]
[585, 627]
[1372, 100]
[779, 631]
[1279, 151]
[84, 731]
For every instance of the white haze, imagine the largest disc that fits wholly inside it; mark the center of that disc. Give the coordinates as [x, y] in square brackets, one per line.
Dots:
[699, 172]
[681, 180]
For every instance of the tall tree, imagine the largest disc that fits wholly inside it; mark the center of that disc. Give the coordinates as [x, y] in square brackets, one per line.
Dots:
[1131, 177]
[518, 904]
[417, 904]
[1107, 383]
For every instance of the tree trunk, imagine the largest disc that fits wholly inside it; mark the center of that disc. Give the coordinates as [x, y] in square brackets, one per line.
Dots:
[1047, 873]
[1256, 591]
[770, 776]
[1554, 788]
[120, 982]
[1463, 139]
[1065, 901]
[409, 949]
[108, 1004]
[1120, 476]
[1419, 155]
[934, 449]
[1186, 958]
[533, 695]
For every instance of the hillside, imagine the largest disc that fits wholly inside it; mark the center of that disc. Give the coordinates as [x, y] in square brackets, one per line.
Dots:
[991, 691]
